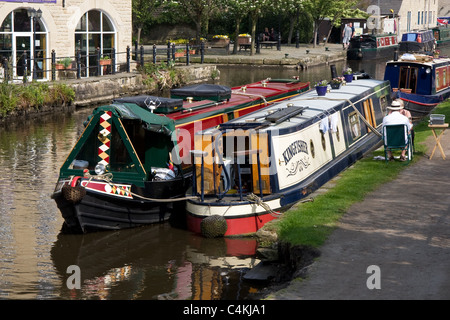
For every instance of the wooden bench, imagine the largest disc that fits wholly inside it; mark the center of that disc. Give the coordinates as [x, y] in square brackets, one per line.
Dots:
[268, 43]
[244, 46]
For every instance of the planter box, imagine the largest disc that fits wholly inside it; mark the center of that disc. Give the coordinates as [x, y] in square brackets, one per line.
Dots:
[105, 62]
[220, 42]
[244, 40]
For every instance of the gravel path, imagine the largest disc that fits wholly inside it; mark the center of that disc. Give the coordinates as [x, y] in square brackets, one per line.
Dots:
[393, 245]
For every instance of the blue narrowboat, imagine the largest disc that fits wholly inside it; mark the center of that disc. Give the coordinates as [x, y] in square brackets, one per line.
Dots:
[249, 170]
[417, 41]
[421, 81]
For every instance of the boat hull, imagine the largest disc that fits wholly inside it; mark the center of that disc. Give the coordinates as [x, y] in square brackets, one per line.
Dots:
[100, 208]
[421, 105]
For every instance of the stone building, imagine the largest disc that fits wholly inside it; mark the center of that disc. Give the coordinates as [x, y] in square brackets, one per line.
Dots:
[30, 30]
[410, 14]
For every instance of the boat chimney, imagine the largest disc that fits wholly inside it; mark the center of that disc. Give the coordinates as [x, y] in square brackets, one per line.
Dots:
[333, 71]
[396, 55]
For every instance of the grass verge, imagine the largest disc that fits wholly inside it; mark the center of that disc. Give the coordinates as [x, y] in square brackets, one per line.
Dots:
[310, 223]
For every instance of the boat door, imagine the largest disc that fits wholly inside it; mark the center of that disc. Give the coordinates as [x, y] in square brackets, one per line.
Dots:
[369, 114]
[22, 52]
[408, 78]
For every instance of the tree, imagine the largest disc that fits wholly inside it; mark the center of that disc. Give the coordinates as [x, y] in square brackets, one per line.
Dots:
[142, 12]
[341, 9]
[239, 10]
[199, 11]
[256, 9]
[291, 10]
[319, 10]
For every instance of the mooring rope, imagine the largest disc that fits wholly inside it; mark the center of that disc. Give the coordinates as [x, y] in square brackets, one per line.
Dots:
[258, 201]
[251, 95]
[107, 177]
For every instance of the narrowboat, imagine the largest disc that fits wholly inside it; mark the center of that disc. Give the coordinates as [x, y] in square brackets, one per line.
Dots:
[417, 41]
[441, 35]
[249, 170]
[127, 168]
[367, 46]
[421, 81]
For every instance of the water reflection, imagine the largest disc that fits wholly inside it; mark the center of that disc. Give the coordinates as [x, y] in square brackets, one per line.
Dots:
[153, 262]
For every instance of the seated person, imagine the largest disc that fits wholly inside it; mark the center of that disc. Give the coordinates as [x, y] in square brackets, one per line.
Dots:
[272, 36]
[395, 117]
[407, 114]
[266, 34]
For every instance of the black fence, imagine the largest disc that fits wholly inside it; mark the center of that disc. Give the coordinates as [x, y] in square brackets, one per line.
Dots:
[108, 62]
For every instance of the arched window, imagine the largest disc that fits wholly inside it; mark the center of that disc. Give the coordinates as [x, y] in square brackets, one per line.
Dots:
[23, 44]
[94, 31]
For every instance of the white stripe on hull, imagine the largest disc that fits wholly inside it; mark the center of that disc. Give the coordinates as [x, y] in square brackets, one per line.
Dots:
[232, 210]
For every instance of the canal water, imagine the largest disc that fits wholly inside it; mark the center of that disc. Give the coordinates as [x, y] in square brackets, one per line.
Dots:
[154, 262]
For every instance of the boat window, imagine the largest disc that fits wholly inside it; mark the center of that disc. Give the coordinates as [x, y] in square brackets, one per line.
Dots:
[383, 103]
[324, 144]
[355, 125]
[311, 147]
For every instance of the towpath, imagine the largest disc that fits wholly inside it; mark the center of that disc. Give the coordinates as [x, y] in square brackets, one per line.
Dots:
[394, 245]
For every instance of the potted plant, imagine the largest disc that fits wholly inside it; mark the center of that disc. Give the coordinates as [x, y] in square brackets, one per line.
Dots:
[336, 83]
[180, 53]
[244, 38]
[348, 75]
[221, 39]
[436, 53]
[321, 87]
[63, 63]
[105, 60]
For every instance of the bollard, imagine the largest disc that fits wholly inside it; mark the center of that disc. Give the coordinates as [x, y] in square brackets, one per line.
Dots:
[136, 51]
[173, 51]
[53, 65]
[187, 54]
[142, 57]
[202, 52]
[297, 39]
[168, 51]
[128, 59]
[78, 64]
[154, 54]
[97, 52]
[279, 42]
[25, 67]
[113, 61]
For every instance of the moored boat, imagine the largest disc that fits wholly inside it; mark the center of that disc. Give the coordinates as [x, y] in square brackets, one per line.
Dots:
[417, 41]
[371, 46]
[249, 170]
[421, 81]
[442, 35]
[128, 167]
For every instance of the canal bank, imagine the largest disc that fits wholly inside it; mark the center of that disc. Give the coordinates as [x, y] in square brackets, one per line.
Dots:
[393, 245]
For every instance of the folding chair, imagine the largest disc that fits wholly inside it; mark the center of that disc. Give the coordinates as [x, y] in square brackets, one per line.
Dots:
[397, 137]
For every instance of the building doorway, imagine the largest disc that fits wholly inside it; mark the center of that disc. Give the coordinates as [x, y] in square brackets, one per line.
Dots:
[23, 52]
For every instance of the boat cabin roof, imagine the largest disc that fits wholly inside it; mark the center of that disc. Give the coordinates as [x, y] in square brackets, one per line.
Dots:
[305, 108]
[426, 35]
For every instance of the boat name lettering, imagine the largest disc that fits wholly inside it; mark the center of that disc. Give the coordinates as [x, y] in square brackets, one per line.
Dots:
[294, 148]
